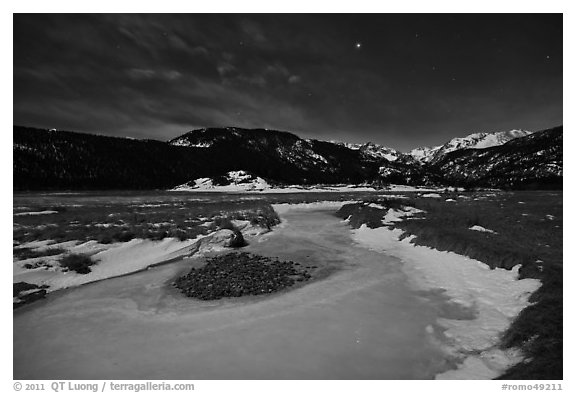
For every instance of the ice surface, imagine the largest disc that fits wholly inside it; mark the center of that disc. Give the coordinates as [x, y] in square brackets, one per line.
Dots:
[361, 321]
[495, 296]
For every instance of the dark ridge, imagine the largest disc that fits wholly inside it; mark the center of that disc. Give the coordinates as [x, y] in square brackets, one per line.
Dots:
[59, 160]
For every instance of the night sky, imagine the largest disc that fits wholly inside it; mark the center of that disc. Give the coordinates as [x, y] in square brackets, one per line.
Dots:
[399, 80]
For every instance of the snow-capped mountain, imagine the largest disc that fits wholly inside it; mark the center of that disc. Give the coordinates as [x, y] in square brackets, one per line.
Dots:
[45, 159]
[373, 150]
[479, 140]
[424, 154]
[533, 161]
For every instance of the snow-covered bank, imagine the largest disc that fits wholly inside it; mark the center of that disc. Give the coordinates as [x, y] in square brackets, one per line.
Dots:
[290, 189]
[281, 208]
[492, 296]
[246, 182]
[111, 260]
[118, 259]
[265, 188]
[405, 188]
[41, 213]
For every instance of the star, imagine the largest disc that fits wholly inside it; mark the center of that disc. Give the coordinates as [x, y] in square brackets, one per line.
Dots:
[358, 45]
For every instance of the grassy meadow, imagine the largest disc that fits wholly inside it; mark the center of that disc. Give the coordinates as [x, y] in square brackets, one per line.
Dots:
[524, 228]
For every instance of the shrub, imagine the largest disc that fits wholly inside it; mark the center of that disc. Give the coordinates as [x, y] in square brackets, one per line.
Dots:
[224, 223]
[156, 235]
[27, 253]
[124, 236]
[178, 233]
[104, 238]
[77, 262]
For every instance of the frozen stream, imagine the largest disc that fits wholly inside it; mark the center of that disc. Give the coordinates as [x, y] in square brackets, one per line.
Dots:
[361, 321]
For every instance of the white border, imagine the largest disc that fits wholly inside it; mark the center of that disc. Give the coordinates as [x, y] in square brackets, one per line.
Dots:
[301, 6]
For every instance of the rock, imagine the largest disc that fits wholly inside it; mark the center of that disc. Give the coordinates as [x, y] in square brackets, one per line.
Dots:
[239, 274]
[237, 240]
[221, 238]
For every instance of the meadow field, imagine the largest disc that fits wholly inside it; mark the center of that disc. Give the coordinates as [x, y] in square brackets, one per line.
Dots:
[70, 234]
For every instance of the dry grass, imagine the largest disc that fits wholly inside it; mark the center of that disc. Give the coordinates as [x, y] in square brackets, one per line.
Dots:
[110, 223]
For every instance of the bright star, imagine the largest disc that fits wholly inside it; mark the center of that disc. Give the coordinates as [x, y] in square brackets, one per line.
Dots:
[358, 45]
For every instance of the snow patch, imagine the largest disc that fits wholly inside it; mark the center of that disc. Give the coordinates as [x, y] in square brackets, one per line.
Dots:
[234, 181]
[207, 185]
[186, 143]
[41, 213]
[405, 188]
[482, 229]
[394, 215]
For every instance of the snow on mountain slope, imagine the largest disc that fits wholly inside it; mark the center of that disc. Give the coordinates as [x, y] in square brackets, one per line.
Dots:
[373, 150]
[424, 154]
[534, 159]
[233, 181]
[198, 138]
[479, 140]
[500, 138]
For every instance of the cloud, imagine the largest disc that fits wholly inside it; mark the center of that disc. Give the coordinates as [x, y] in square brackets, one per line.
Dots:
[171, 75]
[138, 74]
[253, 31]
[277, 69]
[225, 69]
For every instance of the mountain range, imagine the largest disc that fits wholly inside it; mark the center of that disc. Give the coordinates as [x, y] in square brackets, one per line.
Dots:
[480, 140]
[50, 159]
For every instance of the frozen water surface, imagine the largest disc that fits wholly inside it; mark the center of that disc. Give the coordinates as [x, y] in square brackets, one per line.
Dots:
[360, 320]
